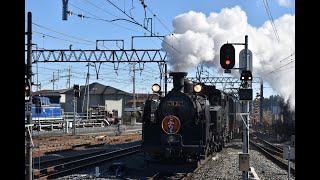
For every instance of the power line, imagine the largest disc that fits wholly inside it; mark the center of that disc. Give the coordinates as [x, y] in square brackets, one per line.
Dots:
[47, 35]
[154, 15]
[135, 22]
[287, 57]
[292, 60]
[132, 20]
[62, 33]
[100, 9]
[265, 2]
[285, 69]
[132, 7]
[282, 66]
[101, 19]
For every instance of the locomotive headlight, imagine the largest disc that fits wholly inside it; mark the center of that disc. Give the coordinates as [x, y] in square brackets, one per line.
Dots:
[156, 88]
[197, 88]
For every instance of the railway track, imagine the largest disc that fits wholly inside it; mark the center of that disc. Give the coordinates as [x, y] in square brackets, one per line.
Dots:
[141, 166]
[65, 166]
[181, 171]
[274, 152]
[53, 144]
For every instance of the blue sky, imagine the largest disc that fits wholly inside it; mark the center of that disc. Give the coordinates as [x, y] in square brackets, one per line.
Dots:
[51, 32]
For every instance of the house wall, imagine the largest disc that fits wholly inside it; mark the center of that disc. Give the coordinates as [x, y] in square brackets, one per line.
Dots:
[115, 105]
[67, 105]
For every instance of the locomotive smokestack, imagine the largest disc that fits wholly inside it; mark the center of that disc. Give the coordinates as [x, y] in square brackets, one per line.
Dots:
[178, 80]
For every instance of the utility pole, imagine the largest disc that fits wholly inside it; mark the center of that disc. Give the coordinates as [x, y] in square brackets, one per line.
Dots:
[74, 115]
[134, 91]
[133, 86]
[53, 80]
[29, 144]
[58, 78]
[88, 90]
[69, 77]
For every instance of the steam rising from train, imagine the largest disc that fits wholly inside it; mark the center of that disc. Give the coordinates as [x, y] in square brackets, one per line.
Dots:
[197, 38]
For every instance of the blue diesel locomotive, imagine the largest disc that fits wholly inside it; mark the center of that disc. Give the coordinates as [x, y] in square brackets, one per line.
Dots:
[45, 111]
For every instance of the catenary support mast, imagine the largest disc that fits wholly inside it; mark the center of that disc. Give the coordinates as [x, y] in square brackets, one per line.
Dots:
[29, 144]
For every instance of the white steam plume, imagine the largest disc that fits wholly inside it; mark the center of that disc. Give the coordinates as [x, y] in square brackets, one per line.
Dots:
[198, 39]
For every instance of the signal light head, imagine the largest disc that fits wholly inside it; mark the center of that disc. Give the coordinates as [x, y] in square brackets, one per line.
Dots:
[246, 76]
[227, 56]
[76, 86]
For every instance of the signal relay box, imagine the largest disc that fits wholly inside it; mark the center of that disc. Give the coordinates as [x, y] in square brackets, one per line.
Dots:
[244, 162]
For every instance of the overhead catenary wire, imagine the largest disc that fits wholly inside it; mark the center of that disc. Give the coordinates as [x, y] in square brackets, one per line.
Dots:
[154, 15]
[287, 57]
[132, 7]
[285, 68]
[62, 33]
[278, 69]
[44, 34]
[282, 60]
[85, 42]
[47, 35]
[265, 2]
[98, 8]
[135, 22]
[101, 19]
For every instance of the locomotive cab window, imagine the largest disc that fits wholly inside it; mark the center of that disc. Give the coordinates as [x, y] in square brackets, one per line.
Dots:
[45, 102]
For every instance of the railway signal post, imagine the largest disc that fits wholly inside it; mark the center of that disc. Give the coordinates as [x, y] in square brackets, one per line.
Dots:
[245, 94]
[76, 89]
[227, 62]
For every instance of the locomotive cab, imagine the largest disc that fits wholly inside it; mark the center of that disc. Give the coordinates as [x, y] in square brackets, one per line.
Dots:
[38, 103]
[45, 111]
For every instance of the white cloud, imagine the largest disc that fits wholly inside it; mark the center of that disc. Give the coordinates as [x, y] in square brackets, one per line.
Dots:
[285, 3]
[198, 38]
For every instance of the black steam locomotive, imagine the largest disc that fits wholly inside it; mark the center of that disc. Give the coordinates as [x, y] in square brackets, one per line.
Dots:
[189, 123]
